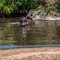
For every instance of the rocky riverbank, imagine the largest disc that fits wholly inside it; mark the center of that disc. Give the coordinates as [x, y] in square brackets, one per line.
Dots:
[43, 53]
[43, 15]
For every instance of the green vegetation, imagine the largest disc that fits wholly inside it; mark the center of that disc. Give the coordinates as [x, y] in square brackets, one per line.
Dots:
[9, 6]
[6, 6]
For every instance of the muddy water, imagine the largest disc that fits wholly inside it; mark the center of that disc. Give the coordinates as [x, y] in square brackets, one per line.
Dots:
[42, 33]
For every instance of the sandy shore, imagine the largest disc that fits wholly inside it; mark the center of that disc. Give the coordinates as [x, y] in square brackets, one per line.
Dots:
[44, 53]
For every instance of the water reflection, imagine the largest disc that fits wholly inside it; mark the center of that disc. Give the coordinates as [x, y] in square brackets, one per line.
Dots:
[25, 30]
[42, 33]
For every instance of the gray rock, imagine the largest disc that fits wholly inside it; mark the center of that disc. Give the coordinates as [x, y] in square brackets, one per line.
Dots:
[32, 14]
[42, 13]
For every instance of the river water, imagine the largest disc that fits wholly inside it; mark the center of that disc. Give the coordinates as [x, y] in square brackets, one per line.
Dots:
[42, 33]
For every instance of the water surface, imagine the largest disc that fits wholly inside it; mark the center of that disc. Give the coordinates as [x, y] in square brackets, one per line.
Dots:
[42, 33]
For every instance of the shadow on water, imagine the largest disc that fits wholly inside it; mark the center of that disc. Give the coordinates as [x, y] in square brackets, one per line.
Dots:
[43, 33]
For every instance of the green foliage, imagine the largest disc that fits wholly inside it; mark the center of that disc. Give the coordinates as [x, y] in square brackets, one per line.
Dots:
[18, 3]
[53, 0]
[7, 10]
[8, 6]
[40, 0]
[26, 4]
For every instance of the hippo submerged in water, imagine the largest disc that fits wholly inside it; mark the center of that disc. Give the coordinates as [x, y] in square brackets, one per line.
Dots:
[24, 21]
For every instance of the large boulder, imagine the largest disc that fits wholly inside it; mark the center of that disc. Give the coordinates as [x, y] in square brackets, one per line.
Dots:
[35, 16]
[31, 14]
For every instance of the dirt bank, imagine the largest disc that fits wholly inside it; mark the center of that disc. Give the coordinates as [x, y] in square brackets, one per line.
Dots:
[46, 53]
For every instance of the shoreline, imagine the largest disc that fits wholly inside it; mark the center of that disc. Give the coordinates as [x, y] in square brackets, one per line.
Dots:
[49, 18]
[42, 53]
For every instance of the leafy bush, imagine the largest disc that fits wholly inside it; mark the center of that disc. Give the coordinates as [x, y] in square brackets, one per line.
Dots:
[8, 6]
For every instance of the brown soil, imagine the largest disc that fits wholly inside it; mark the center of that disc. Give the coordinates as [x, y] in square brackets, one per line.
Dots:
[45, 53]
